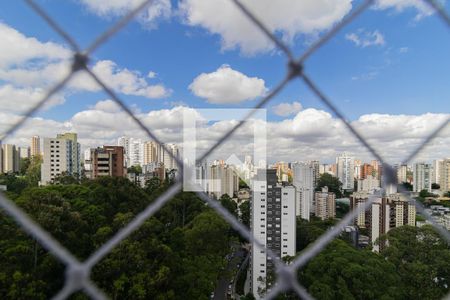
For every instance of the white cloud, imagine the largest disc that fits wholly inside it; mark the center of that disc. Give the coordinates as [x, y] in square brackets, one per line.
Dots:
[125, 81]
[17, 100]
[423, 8]
[107, 106]
[403, 50]
[18, 49]
[151, 74]
[157, 10]
[310, 134]
[287, 109]
[363, 38]
[286, 17]
[29, 63]
[226, 85]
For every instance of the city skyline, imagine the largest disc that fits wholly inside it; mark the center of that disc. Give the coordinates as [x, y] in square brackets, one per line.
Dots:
[364, 82]
[225, 149]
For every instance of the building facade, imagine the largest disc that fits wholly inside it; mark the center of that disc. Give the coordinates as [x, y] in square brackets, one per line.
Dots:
[422, 174]
[273, 224]
[303, 181]
[150, 152]
[369, 183]
[444, 177]
[105, 161]
[222, 180]
[10, 158]
[57, 159]
[325, 207]
[167, 157]
[345, 169]
[383, 214]
[402, 173]
[75, 161]
[35, 147]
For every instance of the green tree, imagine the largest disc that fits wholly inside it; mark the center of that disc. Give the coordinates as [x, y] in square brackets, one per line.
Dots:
[135, 170]
[308, 231]
[152, 184]
[333, 184]
[244, 207]
[33, 172]
[422, 259]
[229, 204]
[243, 184]
[24, 164]
[408, 186]
[342, 209]
[343, 272]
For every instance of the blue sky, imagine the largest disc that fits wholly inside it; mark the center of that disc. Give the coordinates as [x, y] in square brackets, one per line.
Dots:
[413, 82]
[406, 72]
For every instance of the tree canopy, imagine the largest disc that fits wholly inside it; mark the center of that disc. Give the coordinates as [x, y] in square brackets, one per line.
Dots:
[176, 254]
[333, 184]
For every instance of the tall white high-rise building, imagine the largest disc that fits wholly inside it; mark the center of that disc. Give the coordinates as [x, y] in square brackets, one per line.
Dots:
[422, 174]
[273, 224]
[167, 159]
[24, 152]
[222, 179]
[124, 141]
[136, 152]
[444, 177]
[368, 184]
[345, 170]
[402, 172]
[59, 158]
[35, 148]
[437, 164]
[75, 161]
[303, 181]
[10, 158]
[315, 165]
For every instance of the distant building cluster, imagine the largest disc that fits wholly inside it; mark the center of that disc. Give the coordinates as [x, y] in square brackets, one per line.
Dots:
[385, 213]
[61, 156]
[279, 194]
